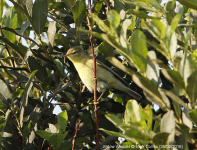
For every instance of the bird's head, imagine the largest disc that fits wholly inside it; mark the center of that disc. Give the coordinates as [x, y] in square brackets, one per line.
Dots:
[75, 53]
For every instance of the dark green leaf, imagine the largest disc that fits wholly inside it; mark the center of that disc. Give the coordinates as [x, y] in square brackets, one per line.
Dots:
[79, 12]
[38, 17]
[41, 73]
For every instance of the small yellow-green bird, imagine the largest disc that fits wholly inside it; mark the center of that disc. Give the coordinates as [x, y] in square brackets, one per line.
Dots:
[106, 77]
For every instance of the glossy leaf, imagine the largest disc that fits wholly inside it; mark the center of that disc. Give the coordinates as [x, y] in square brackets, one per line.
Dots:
[79, 12]
[38, 17]
[151, 90]
[123, 32]
[62, 120]
[139, 50]
[56, 139]
[114, 19]
[51, 34]
[168, 125]
[152, 71]
[132, 112]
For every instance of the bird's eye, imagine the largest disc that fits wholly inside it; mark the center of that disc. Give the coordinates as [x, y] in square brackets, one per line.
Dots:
[74, 52]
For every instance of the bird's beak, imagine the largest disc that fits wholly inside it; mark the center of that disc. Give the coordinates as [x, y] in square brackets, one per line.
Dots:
[66, 55]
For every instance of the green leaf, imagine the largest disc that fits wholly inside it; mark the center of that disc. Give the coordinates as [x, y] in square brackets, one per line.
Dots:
[14, 48]
[4, 93]
[123, 32]
[10, 20]
[51, 34]
[115, 120]
[192, 87]
[17, 93]
[101, 24]
[118, 64]
[150, 89]
[161, 138]
[193, 115]
[55, 140]
[175, 98]
[174, 77]
[118, 134]
[43, 134]
[69, 4]
[157, 29]
[1, 8]
[173, 45]
[24, 99]
[175, 22]
[189, 3]
[139, 50]
[114, 19]
[147, 115]
[132, 112]
[168, 125]
[141, 14]
[106, 49]
[29, 5]
[79, 12]
[152, 71]
[38, 18]
[41, 73]
[62, 120]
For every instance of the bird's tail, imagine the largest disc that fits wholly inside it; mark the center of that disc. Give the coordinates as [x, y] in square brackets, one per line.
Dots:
[132, 93]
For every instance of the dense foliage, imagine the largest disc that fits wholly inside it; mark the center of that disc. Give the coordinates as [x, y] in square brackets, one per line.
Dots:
[151, 45]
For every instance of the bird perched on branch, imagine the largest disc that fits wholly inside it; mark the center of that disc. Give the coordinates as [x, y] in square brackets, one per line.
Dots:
[106, 77]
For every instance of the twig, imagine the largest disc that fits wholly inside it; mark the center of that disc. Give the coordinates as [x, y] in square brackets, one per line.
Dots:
[95, 81]
[74, 137]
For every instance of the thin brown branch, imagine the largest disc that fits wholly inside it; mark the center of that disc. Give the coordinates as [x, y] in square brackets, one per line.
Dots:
[95, 80]
[74, 137]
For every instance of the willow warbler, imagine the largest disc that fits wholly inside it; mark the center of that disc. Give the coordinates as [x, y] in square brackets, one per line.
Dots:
[106, 77]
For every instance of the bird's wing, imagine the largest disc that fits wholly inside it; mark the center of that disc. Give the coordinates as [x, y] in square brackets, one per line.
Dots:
[110, 70]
